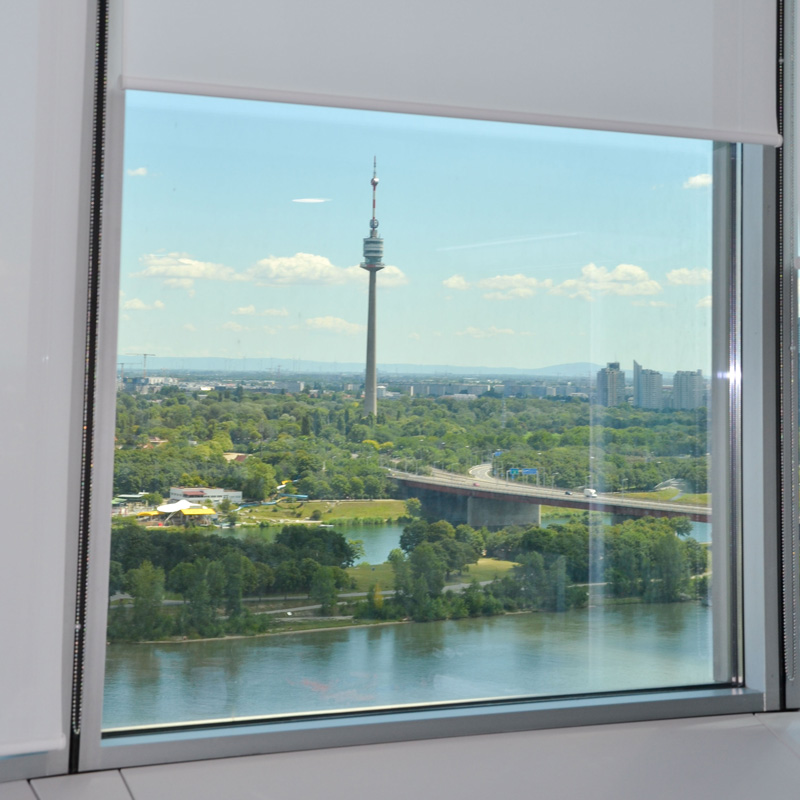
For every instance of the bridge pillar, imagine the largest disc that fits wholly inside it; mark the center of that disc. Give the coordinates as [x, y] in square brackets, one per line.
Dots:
[482, 512]
[439, 505]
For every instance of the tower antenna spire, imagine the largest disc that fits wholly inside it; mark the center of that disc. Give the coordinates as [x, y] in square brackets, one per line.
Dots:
[372, 263]
[374, 221]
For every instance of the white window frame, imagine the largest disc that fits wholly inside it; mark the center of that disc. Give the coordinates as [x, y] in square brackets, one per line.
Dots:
[747, 378]
[752, 394]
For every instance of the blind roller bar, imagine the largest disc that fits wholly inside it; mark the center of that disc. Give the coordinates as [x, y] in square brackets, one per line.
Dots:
[376, 104]
[704, 68]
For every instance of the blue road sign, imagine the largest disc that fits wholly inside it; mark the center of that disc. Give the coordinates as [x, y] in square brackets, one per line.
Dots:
[530, 471]
[513, 471]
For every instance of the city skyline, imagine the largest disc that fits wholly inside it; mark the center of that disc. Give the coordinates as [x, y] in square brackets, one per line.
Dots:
[512, 246]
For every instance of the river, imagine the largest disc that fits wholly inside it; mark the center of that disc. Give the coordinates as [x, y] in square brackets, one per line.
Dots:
[588, 650]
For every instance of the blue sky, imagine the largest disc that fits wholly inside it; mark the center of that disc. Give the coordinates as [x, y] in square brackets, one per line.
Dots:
[506, 245]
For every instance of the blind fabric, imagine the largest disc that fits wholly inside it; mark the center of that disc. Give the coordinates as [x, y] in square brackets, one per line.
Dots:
[697, 68]
[45, 60]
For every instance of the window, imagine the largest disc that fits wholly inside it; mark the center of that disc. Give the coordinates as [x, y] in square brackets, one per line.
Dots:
[50, 201]
[544, 332]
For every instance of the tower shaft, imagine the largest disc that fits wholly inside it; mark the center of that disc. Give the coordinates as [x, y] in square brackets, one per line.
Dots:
[371, 377]
[373, 262]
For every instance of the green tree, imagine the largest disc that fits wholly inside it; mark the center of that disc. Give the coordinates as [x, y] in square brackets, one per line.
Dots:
[375, 600]
[403, 580]
[181, 579]
[428, 566]
[265, 578]
[116, 578]
[413, 507]
[146, 585]
[669, 576]
[323, 590]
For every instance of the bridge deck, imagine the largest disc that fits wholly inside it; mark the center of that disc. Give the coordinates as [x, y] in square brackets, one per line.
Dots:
[508, 491]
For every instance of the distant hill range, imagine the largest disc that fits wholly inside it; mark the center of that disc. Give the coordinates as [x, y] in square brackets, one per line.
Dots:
[288, 367]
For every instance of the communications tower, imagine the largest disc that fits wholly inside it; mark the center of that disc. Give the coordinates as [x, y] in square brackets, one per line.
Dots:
[373, 262]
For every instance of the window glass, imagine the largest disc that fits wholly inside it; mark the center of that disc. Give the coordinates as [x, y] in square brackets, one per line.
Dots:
[517, 505]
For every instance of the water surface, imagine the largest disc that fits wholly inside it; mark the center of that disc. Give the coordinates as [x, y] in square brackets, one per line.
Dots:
[588, 650]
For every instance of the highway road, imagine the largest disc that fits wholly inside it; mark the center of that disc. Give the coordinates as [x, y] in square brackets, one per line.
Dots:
[479, 481]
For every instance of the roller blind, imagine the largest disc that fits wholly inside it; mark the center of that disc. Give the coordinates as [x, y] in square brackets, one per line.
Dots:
[697, 68]
[45, 60]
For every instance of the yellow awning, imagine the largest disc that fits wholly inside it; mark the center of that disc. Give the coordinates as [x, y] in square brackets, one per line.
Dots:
[194, 512]
[148, 514]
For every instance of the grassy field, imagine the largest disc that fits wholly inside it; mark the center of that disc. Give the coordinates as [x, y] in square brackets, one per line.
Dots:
[661, 496]
[550, 512]
[487, 569]
[695, 499]
[671, 495]
[353, 509]
[367, 574]
[329, 509]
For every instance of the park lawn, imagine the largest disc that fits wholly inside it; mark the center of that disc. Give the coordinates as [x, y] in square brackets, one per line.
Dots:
[695, 499]
[661, 496]
[487, 569]
[354, 509]
[365, 575]
[329, 509]
[549, 512]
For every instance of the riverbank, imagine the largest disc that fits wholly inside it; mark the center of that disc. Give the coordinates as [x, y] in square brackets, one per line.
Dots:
[351, 623]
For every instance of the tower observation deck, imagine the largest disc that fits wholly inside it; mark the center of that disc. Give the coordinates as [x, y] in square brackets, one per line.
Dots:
[373, 262]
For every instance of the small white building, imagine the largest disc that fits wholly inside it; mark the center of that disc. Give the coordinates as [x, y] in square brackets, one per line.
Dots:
[201, 494]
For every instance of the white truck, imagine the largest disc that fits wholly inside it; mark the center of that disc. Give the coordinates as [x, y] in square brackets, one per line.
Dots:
[590, 492]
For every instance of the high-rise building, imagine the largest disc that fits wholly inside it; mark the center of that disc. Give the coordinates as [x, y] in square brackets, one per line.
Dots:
[373, 262]
[648, 387]
[611, 385]
[688, 390]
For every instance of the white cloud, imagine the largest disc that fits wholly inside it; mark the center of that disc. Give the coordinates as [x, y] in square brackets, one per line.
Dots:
[180, 283]
[233, 326]
[334, 324]
[651, 304]
[189, 327]
[512, 287]
[250, 311]
[139, 172]
[312, 200]
[136, 304]
[485, 333]
[305, 268]
[689, 277]
[625, 280]
[389, 276]
[705, 302]
[180, 271]
[414, 336]
[698, 181]
[268, 329]
[512, 294]
[457, 282]
[299, 268]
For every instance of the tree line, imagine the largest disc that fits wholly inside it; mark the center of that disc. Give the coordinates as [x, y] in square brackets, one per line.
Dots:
[330, 451]
[213, 573]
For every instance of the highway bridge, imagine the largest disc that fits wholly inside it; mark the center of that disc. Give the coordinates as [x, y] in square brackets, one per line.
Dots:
[480, 499]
